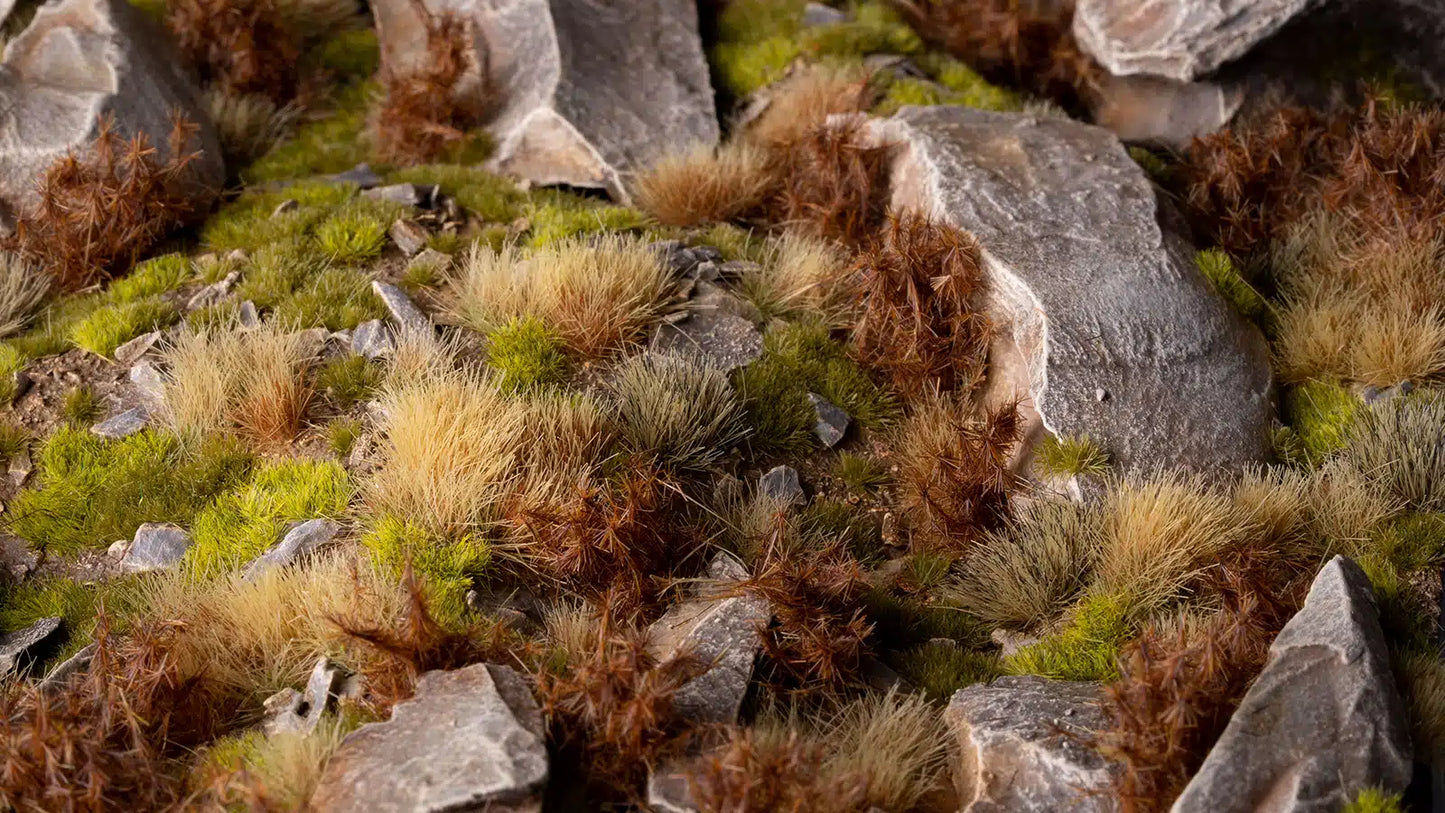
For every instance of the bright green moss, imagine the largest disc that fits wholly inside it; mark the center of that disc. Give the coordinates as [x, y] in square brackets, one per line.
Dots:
[111, 326]
[1226, 280]
[341, 435]
[1375, 800]
[1086, 649]
[489, 196]
[349, 55]
[1413, 541]
[528, 354]
[873, 29]
[150, 278]
[94, 491]
[348, 381]
[75, 603]
[349, 237]
[1320, 412]
[1070, 456]
[923, 93]
[275, 273]
[250, 221]
[1154, 166]
[940, 669]
[967, 86]
[326, 147]
[241, 524]
[556, 216]
[447, 567]
[744, 67]
[335, 298]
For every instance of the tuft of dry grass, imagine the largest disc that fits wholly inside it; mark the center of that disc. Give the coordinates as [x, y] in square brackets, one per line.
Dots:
[834, 184]
[800, 275]
[102, 208]
[248, 124]
[23, 287]
[706, 185]
[896, 742]
[802, 103]
[1399, 446]
[255, 772]
[1422, 679]
[239, 46]
[251, 382]
[917, 324]
[423, 114]
[757, 771]
[675, 412]
[597, 295]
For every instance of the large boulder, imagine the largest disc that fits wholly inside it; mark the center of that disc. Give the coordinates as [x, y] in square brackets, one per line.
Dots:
[1023, 747]
[582, 92]
[1178, 39]
[1323, 721]
[81, 60]
[471, 739]
[1106, 326]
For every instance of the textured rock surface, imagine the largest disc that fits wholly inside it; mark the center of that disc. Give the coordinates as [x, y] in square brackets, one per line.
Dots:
[79, 60]
[19, 647]
[302, 540]
[123, 424]
[470, 739]
[586, 91]
[1324, 719]
[372, 340]
[723, 634]
[781, 483]
[832, 423]
[1021, 747]
[1163, 112]
[1178, 39]
[400, 306]
[290, 711]
[1090, 290]
[155, 547]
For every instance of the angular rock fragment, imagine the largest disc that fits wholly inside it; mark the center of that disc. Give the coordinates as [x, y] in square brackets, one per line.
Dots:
[585, 92]
[72, 665]
[133, 350]
[407, 194]
[718, 339]
[77, 61]
[470, 739]
[247, 317]
[292, 712]
[156, 546]
[781, 483]
[1021, 746]
[400, 306]
[1178, 39]
[19, 648]
[301, 541]
[149, 382]
[213, 293]
[408, 236]
[430, 260]
[372, 340]
[362, 175]
[832, 422]
[723, 634]
[124, 424]
[1322, 722]
[1163, 112]
[20, 467]
[1089, 289]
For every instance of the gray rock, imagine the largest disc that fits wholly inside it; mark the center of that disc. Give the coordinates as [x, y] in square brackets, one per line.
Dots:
[285, 207]
[19, 648]
[586, 92]
[123, 425]
[832, 422]
[372, 340]
[247, 317]
[77, 61]
[717, 339]
[682, 259]
[1323, 721]
[1021, 747]
[400, 306]
[301, 541]
[723, 634]
[408, 236]
[470, 739]
[726, 567]
[149, 382]
[407, 194]
[434, 261]
[213, 293]
[361, 175]
[1163, 112]
[20, 467]
[781, 483]
[133, 350]
[1178, 39]
[817, 14]
[156, 547]
[1089, 289]
[73, 665]
[22, 384]
[292, 712]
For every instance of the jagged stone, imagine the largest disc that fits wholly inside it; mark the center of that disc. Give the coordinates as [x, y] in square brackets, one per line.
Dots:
[1089, 288]
[302, 540]
[720, 632]
[718, 339]
[585, 92]
[372, 340]
[133, 350]
[213, 293]
[150, 384]
[292, 712]
[781, 483]
[682, 259]
[431, 260]
[362, 175]
[124, 424]
[1021, 747]
[77, 61]
[831, 422]
[1178, 39]
[407, 194]
[19, 467]
[1163, 112]
[72, 665]
[1322, 722]
[408, 236]
[247, 316]
[19, 648]
[470, 739]
[156, 546]
[400, 306]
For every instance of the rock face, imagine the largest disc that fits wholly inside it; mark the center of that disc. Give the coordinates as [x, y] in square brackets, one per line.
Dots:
[723, 634]
[470, 739]
[585, 91]
[77, 61]
[1324, 719]
[1107, 328]
[300, 541]
[155, 547]
[1178, 39]
[1021, 747]
[124, 424]
[19, 647]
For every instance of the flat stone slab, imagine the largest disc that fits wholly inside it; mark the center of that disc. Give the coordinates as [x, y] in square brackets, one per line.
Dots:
[18, 648]
[1106, 326]
[1022, 747]
[723, 634]
[301, 541]
[400, 306]
[156, 546]
[1322, 722]
[470, 739]
[124, 424]
[781, 483]
[1178, 39]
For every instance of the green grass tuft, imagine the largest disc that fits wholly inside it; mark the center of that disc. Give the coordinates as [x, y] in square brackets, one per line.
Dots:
[1086, 649]
[333, 298]
[150, 278]
[1375, 800]
[1321, 414]
[349, 55]
[331, 145]
[862, 475]
[341, 435]
[74, 602]
[556, 216]
[13, 438]
[351, 236]
[528, 354]
[940, 669]
[1229, 283]
[81, 406]
[348, 381]
[111, 326]
[1068, 457]
[826, 521]
[447, 566]
[490, 197]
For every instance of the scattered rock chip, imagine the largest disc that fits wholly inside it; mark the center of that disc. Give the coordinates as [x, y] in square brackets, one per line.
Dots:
[408, 236]
[832, 422]
[133, 350]
[400, 306]
[407, 194]
[156, 546]
[285, 207]
[470, 739]
[361, 175]
[19, 467]
[19, 648]
[292, 712]
[215, 292]
[301, 541]
[722, 632]
[124, 424]
[247, 316]
[372, 340]
[149, 383]
[781, 483]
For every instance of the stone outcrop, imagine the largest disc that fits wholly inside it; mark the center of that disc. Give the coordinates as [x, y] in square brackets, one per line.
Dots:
[18, 648]
[1107, 327]
[470, 739]
[80, 60]
[581, 93]
[1022, 744]
[1323, 721]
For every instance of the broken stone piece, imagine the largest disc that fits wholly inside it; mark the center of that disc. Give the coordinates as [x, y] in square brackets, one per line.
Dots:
[132, 351]
[247, 317]
[400, 306]
[717, 339]
[361, 175]
[292, 712]
[20, 466]
[19, 648]
[301, 541]
[124, 424]
[72, 665]
[407, 194]
[832, 422]
[213, 293]
[149, 383]
[372, 340]
[408, 236]
[156, 546]
[430, 259]
[781, 483]
[1163, 112]
[722, 633]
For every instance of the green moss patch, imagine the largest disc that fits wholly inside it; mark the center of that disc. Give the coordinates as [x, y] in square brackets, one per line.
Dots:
[528, 354]
[1320, 413]
[447, 566]
[1086, 649]
[111, 326]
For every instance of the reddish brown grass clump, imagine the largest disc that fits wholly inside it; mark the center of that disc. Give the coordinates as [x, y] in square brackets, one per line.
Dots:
[917, 324]
[244, 46]
[753, 774]
[423, 114]
[833, 183]
[101, 210]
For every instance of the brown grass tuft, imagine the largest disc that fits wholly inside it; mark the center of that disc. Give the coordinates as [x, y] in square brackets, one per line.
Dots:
[241, 46]
[758, 773]
[834, 184]
[706, 185]
[102, 209]
[803, 101]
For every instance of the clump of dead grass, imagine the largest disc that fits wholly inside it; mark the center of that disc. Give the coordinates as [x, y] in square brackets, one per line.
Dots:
[834, 183]
[23, 287]
[706, 185]
[239, 46]
[757, 770]
[424, 112]
[800, 276]
[803, 101]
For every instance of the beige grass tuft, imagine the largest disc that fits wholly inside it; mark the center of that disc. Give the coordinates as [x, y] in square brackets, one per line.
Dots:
[706, 185]
[22, 288]
[800, 275]
[804, 101]
[897, 742]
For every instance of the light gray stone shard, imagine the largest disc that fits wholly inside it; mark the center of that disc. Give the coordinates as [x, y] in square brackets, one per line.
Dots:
[586, 92]
[73, 665]
[1178, 39]
[1021, 747]
[781, 483]
[302, 540]
[719, 339]
[407, 194]
[470, 739]
[213, 293]
[156, 546]
[124, 424]
[372, 340]
[722, 633]
[400, 306]
[1322, 722]
[408, 236]
[832, 422]
[133, 350]
[247, 316]
[292, 712]
[150, 384]
[1090, 290]
[80, 60]
[19, 648]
